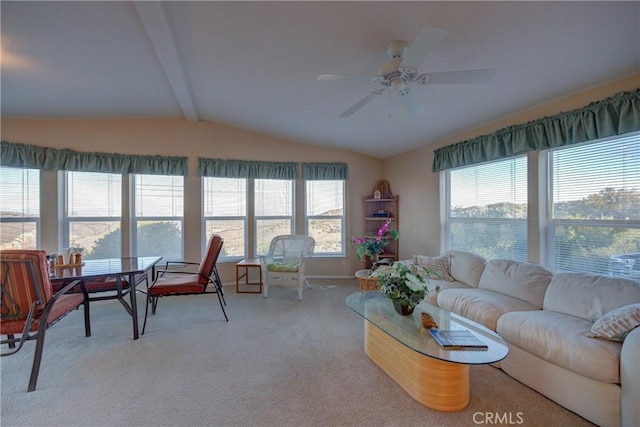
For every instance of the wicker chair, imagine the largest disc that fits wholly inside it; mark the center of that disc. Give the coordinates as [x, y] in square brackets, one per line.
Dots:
[286, 262]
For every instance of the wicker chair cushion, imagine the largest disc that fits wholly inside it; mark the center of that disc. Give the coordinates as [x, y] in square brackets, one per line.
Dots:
[283, 267]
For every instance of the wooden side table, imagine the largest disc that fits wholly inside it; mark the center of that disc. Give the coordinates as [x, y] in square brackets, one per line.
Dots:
[242, 271]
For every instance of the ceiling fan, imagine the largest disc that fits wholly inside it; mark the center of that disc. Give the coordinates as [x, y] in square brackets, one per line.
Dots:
[400, 73]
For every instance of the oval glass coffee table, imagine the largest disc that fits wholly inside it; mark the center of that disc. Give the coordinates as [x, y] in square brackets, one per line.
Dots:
[436, 377]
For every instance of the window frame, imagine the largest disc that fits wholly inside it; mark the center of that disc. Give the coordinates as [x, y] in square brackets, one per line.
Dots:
[342, 218]
[36, 220]
[244, 219]
[257, 218]
[134, 218]
[63, 176]
[547, 230]
[448, 219]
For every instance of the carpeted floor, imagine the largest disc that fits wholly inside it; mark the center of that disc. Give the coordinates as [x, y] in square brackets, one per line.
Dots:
[278, 362]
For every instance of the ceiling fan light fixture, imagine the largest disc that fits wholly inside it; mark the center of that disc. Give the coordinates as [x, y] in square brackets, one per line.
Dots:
[404, 91]
[397, 48]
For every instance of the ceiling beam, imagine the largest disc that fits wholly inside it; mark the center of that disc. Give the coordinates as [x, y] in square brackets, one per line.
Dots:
[157, 28]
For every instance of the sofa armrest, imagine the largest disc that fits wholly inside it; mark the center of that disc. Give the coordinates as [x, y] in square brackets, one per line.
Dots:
[630, 379]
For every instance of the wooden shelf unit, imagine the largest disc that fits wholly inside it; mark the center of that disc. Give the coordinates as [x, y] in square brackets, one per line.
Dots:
[387, 203]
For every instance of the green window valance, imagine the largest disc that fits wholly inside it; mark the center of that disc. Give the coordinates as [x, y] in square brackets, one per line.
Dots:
[66, 159]
[222, 168]
[616, 115]
[22, 155]
[158, 165]
[325, 171]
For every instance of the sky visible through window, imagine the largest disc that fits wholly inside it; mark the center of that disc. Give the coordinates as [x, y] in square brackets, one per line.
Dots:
[578, 173]
[585, 170]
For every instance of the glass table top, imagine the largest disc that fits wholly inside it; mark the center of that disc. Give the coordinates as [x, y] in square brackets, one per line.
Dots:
[407, 330]
[104, 267]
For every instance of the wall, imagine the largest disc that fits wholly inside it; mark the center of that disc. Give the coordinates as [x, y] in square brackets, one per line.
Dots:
[178, 137]
[419, 189]
[409, 174]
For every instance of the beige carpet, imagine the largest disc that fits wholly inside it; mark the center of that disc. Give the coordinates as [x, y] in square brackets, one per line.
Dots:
[278, 362]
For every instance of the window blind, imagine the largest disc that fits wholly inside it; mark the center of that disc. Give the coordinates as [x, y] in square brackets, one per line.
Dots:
[487, 212]
[594, 205]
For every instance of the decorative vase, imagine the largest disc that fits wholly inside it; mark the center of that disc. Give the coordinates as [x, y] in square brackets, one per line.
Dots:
[403, 309]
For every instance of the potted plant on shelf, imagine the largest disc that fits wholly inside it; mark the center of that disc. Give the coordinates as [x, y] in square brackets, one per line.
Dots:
[373, 246]
[404, 284]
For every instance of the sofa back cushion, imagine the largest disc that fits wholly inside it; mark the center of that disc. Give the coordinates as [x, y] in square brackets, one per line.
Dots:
[527, 282]
[589, 296]
[466, 267]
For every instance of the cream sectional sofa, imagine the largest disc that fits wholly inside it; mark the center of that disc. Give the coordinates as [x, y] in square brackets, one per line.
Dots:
[548, 321]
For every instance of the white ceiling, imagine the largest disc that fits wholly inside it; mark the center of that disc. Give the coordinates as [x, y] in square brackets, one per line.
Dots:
[254, 65]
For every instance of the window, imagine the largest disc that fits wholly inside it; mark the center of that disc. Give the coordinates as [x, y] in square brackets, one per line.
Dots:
[158, 217]
[487, 209]
[93, 211]
[225, 213]
[594, 208]
[273, 211]
[324, 214]
[19, 208]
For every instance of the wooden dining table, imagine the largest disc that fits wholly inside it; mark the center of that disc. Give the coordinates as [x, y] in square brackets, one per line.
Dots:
[114, 268]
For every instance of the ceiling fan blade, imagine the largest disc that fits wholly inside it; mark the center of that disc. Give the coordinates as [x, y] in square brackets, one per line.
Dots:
[467, 76]
[412, 104]
[345, 77]
[427, 40]
[364, 101]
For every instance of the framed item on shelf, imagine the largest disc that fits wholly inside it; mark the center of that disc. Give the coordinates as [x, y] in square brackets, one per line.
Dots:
[377, 194]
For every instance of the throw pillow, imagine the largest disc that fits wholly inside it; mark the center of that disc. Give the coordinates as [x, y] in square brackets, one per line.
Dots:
[439, 265]
[616, 324]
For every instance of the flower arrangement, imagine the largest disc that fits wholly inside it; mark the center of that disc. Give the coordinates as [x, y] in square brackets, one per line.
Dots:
[374, 245]
[404, 283]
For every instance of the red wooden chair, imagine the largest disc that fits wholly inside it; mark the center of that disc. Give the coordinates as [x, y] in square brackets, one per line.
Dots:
[178, 282]
[29, 305]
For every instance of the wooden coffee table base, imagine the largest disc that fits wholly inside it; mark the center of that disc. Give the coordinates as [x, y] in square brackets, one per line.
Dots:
[434, 383]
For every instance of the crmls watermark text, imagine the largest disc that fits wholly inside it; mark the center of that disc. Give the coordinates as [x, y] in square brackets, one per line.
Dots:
[491, 418]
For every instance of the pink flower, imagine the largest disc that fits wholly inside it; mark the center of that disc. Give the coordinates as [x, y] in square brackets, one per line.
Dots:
[382, 230]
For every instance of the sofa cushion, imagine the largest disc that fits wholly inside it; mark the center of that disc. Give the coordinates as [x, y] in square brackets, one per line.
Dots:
[466, 267]
[432, 298]
[616, 324]
[589, 296]
[480, 305]
[439, 265]
[521, 280]
[562, 340]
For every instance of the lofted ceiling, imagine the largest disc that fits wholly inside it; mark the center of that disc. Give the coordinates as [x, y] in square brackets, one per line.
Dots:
[254, 65]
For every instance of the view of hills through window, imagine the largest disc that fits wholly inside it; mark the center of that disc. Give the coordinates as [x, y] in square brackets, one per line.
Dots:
[592, 219]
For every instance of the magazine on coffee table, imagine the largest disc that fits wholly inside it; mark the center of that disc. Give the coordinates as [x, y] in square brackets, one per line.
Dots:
[457, 339]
